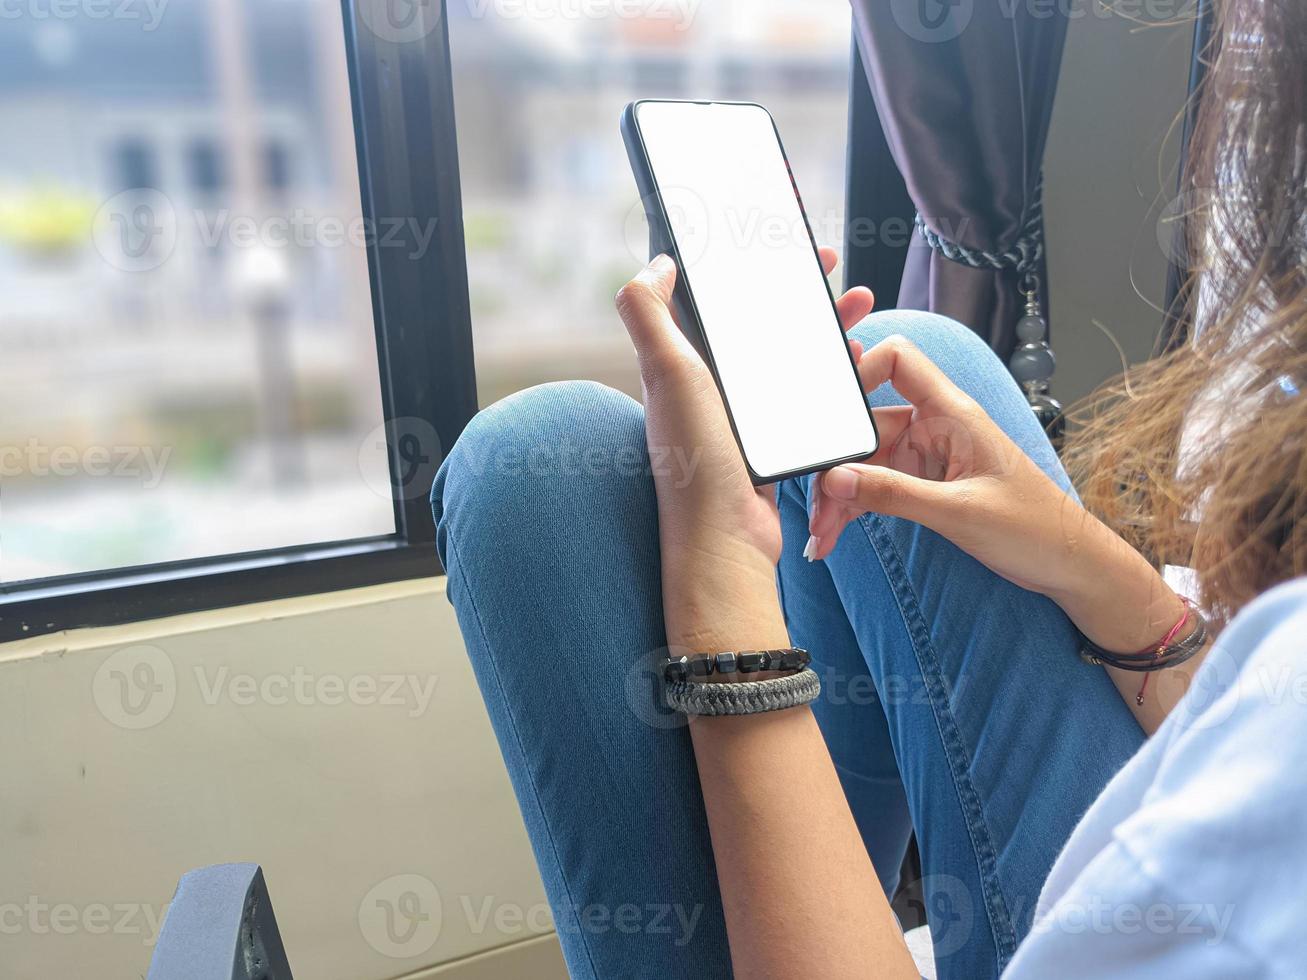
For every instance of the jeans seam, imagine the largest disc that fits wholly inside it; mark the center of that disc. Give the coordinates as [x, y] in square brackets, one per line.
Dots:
[450, 548]
[950, 737]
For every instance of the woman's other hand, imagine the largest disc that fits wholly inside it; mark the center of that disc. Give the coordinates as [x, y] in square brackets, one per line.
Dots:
[945, 464]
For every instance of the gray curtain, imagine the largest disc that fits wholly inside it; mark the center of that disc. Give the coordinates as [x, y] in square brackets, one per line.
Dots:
[964, 90]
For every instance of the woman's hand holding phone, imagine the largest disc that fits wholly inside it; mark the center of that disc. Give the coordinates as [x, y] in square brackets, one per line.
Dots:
[720, 539]
[720, 535]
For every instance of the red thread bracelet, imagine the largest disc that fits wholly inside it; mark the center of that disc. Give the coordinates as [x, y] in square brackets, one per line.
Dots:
[1157, 650]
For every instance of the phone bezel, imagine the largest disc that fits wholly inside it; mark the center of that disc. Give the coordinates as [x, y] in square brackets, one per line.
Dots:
[650, 192]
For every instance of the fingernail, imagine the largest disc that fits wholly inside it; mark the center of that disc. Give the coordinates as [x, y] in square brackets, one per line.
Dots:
[841, 483]
[661, 263]
[810, 549]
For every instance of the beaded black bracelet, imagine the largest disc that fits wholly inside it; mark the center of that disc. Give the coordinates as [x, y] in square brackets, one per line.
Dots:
[699, 665]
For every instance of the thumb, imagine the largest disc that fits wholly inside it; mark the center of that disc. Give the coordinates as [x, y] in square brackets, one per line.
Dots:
[880, 490]
[643, 306]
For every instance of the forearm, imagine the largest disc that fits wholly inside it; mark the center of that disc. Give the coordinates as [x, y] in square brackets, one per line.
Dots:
[800, 894]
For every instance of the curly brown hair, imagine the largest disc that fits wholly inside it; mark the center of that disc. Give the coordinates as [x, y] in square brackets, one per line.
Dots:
[1199, 456]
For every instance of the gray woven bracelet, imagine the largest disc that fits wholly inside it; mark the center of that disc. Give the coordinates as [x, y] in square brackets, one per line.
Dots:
[745, 698]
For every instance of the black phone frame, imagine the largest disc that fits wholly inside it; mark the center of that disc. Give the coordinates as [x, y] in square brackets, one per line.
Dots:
[661, 239]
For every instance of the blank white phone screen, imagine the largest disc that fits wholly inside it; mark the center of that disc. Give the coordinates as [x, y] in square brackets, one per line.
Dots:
[757, 283]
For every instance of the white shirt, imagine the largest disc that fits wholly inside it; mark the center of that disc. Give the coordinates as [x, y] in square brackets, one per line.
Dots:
[1192, 863]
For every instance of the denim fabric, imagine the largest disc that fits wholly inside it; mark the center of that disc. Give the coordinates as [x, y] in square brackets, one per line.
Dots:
[953, 701]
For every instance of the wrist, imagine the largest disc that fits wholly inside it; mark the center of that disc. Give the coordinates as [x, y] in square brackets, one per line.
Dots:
[1117, 599]
[704, 625]
[721, 605]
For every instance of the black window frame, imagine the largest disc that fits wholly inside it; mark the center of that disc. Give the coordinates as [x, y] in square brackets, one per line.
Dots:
[401, 93]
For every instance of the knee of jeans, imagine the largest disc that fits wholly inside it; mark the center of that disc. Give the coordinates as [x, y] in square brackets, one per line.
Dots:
[521, 459]
[958, 351]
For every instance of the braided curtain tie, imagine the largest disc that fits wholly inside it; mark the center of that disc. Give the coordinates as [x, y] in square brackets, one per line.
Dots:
[1024, 255]
[1031, 362]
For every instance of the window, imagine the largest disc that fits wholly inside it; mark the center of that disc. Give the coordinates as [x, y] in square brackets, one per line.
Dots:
[205, 167]
[210, 392]
[233, 330]
[549, 204]
[240, 273]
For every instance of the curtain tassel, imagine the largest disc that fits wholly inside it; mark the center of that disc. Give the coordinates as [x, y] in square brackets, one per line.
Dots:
[1032, 363]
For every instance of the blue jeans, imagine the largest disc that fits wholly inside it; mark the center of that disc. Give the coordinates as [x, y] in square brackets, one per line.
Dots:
[953, 702]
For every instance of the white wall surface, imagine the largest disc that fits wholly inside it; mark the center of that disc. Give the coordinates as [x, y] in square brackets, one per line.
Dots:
[1109, 171]
[333, 796]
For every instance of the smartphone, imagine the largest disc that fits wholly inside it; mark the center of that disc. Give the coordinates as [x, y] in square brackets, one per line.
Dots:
[720, 199]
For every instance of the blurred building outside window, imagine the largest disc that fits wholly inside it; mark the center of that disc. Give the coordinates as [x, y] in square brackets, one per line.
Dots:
[550, 211]
[187, 358]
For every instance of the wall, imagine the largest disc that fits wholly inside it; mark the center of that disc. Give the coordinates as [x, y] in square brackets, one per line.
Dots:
[1110, 170]
[267, 733]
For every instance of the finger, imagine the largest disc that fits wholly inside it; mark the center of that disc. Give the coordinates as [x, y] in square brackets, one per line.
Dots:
[879, 490]
[929, 448]
[854, 305]
[891, 423]
[829, 259]
[828, 515]
[643, 306]
[855, 348]
[828, 518]
[914, 376]
[832, 527]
